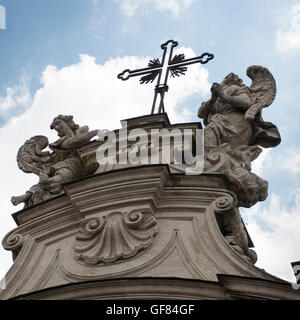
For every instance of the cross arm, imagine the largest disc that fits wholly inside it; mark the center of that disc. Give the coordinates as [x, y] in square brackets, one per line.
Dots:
[126, 74]
[203, 59]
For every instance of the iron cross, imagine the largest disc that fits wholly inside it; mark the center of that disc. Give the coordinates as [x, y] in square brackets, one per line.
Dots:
[175, 65]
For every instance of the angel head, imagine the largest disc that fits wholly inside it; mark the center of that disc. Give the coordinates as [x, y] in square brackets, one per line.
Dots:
[64, 125]
[232, 79]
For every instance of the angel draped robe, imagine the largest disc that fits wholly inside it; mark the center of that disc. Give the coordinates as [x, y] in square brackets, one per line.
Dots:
[226, 124]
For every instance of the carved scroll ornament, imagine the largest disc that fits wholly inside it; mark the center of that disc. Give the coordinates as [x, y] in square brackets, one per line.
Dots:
[14, 243]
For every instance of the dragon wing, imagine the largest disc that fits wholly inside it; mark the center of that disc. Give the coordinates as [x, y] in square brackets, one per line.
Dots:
[263, 89]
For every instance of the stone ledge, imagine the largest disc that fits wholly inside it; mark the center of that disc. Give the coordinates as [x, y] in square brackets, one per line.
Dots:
[168, 289]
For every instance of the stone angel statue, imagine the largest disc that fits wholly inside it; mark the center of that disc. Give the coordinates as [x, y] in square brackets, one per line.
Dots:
[61, 165]
[235, 131]
[233, 136]
[233, 114]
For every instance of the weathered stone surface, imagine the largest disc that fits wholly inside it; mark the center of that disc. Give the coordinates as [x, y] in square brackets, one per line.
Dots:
[54, 168]
[189, 243]
[227, 287]
[234, 130]
[119, 235]
[128, 231]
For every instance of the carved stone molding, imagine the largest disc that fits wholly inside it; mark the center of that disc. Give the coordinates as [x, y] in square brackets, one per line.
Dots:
[14, 243]
[118, 235]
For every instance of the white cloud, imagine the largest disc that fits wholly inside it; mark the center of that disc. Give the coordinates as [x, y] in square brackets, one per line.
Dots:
[288, 42]
[93, 94]
[134, 7]
[135, 11]
[258, 164]
[275, 233]
[17, 96]
[274, 229]
[287, 161]
[291, 162]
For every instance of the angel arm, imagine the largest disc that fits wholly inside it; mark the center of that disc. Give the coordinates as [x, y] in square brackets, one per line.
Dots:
[68, 143]
[82, 138]
[205, 107]
[237, 97]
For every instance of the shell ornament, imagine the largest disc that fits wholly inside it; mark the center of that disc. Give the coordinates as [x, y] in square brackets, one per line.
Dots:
[114, 236]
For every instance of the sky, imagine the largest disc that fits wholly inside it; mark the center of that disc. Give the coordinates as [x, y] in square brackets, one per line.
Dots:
[63, 57]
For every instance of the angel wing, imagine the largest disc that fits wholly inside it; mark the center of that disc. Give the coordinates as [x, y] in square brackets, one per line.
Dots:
[263, 89]
[29, 160]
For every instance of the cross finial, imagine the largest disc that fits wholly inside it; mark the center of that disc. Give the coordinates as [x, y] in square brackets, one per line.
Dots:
[160, 69]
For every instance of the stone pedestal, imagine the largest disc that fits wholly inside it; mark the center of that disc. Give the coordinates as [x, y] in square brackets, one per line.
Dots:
[135, 232]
